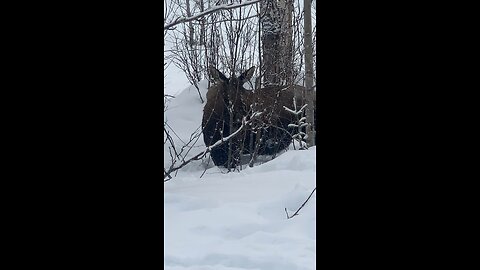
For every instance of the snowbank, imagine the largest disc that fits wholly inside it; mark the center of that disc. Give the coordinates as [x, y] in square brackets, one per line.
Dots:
[237, 220]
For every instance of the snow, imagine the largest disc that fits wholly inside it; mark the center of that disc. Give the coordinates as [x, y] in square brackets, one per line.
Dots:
[235, 221]
[238, 221]
[175, 86]
[214, 220]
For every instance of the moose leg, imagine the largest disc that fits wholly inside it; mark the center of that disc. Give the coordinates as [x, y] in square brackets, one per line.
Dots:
[219, 155]
[284, 140]
[257, 147]
[276, 140]
[212, 133]
[234, 151]
[234, 157]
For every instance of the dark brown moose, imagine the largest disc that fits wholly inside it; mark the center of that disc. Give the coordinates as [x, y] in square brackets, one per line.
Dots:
[228, 102]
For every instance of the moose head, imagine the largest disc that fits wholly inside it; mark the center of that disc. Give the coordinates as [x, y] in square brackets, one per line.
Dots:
[232, 88]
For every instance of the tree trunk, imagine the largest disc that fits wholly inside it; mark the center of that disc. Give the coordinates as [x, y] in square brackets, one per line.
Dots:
[190, 25]
[286, 42]
[277, 42]
[271, 30]
[202, 24]
[309, 93]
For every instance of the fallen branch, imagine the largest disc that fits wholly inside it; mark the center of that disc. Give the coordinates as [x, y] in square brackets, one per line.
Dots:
[296, 213]
[208, 149]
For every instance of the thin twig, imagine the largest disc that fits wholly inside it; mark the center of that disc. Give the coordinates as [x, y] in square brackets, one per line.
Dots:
[296, 213]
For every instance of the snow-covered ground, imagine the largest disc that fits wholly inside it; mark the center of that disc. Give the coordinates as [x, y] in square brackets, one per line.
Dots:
[235, 221]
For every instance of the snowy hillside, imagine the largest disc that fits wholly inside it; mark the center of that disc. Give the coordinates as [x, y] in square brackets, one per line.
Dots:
[232, 221]
[184, 117]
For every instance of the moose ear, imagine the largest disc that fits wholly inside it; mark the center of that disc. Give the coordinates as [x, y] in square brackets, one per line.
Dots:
[247, 75]
[217, 75]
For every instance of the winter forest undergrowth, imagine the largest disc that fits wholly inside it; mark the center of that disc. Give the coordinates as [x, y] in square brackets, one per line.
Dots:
[253, 217]
[236, 220]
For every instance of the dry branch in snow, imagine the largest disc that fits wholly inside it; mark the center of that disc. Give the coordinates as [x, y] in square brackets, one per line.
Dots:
[208, 149]
[296, 213]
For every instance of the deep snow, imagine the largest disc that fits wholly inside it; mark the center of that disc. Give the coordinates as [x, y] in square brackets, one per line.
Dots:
[236, 220]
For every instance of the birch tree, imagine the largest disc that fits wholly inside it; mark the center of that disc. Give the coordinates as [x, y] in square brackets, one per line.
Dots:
[276, 22]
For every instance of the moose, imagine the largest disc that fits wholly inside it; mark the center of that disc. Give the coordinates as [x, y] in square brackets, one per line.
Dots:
[228, 103]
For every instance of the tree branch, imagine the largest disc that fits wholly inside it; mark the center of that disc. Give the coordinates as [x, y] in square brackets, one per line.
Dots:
[296, 213]
[208, 149]
[228, 6]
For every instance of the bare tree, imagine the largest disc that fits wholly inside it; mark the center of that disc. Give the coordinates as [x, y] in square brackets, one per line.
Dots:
[216, 8]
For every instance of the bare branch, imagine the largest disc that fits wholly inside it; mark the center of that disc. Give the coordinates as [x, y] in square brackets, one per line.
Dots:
[206, 12]
[296, 213]
[209, 148]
